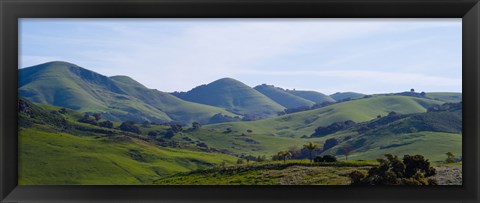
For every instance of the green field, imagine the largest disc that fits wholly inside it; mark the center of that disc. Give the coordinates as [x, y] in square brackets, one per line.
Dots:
[52, 158]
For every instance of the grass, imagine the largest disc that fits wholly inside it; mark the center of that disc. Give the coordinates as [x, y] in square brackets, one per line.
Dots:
[119, 98]
[52, 158]
[432, 145]
[294, 172]
[234, 96]
[304, 123]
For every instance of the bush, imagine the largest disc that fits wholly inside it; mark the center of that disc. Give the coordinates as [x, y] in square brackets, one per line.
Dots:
[412, 170]
[106, 124]
[88, 119]
[332, 128]
[326, 158]
[332, 142]
[129, 126]
[152, 134]
[329, 158]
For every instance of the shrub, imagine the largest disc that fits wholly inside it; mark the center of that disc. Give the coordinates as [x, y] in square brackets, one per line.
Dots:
[106, 124]
[329, 158]
[326, 158]
[129, 126]
[332, 142]
[152, 134]
[196, 125]
[88, 119]
[450, 157]
[412, 170]
[318, 159]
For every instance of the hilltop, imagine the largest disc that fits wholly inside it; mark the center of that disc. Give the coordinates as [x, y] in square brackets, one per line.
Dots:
[234, 96]
[118, 98]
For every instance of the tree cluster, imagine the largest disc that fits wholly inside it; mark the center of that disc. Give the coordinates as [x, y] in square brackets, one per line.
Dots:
[326, 158]
[130, 126]
[332, 128]
[412, 170]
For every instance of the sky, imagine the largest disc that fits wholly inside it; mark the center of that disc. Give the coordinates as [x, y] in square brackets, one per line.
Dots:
[325, 55]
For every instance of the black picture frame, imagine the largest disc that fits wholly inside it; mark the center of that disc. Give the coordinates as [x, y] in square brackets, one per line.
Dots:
[12, 10]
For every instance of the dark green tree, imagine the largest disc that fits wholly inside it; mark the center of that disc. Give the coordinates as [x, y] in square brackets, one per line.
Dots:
[97, 116]
[106, 124]
[130, 126]
[152, 134]
[450, 157]
[196, 125]
[329, 143]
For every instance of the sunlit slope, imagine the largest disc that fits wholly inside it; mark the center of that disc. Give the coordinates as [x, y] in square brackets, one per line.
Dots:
[177, 109]
[234, 96]
[313, 96]
[430, 134]
[60, 158]
[304, 123]
[283, 97]
[121, 98]
[432, 145]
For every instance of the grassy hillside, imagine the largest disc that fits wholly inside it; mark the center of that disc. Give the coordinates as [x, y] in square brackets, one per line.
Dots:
[283, 97]
[118, 98]
[304, 123]
[431, 134]
[61, 158]
[234, 96]
[346, 95]
[445, 96]
[175, 108]
[432, 145]
[313, 96]
[54, 148]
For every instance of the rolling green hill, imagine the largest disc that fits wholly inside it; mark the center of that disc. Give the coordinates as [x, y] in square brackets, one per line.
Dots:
[431, 134]
[175, 108]
[55, 149]
[345, 95]
[234, 96]
[445, 96]
[283, 97]
[118, 98]
[304, 123]
[313, 96]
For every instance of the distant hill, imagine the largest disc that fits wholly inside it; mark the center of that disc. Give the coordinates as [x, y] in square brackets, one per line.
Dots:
[346, 95]
[445, 96]
[313, 96]
[234, 96]
[432, 134]
[118, 98]
[283, 97]
[304, 123]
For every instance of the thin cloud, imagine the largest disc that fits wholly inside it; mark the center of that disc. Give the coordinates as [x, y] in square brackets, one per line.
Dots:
[179, 54]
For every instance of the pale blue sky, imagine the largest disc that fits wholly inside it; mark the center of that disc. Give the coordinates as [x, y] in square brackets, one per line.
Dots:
[334, 55]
